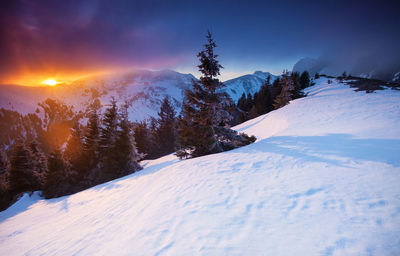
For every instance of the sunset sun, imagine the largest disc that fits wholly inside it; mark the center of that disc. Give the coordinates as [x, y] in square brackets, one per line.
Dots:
[50, 82]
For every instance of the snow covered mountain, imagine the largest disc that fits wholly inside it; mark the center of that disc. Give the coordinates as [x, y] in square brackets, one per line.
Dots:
[250, 83]
[322, 179]
[144, 91]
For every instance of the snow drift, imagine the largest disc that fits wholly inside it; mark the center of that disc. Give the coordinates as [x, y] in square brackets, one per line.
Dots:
[322, 179]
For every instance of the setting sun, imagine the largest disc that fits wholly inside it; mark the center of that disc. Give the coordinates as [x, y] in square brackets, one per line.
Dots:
[50, 82]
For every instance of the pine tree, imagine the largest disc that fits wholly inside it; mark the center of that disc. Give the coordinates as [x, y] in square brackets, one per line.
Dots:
[124, 152]
[297, 91]
[144, 140]
[106, 141]
[249, 102]
[276, 88]
[73, 149]
[90, 145]
[38, 160]
[242, 102]
[263, 103]
[55, 184]
[204, 115]
[286, 93]
[305, 80]
[316, 76]
[109, 126]
[22, 177]
[166, 132]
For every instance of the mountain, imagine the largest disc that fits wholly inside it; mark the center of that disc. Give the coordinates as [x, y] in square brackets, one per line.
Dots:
[322, 179]
[142, 89]
[246, 84]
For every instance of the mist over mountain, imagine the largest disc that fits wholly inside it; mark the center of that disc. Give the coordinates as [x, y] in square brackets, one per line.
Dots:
[383, 67]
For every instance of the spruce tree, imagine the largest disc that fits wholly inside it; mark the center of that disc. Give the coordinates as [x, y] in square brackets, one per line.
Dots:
[144, 140]
[166, 132]
[249, 102]
[263, 104]
[108, 128]
[55, 182]
[106, 141]
[90, 152]
[276, 88]
[286, 83]
[297, 91]
[22, 176]
[124, 152]
[305, 80]
[242, 102]
[202, 128]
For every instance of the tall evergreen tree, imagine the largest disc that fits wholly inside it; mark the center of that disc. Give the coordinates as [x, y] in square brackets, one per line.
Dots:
[106, 142]
[286, 94]
[90, 145]
[297, 91]
[144, 141]
[55, 184]
[108, 128]
[263, 104]
[242, 102]
[22, 176]
[124, 152]
[204, 115]
[276, 88]
[166, 132]
[305, 80]
[249, 102]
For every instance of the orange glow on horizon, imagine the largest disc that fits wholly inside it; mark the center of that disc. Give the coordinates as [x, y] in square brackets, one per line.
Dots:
[44, 78]
[50, 82]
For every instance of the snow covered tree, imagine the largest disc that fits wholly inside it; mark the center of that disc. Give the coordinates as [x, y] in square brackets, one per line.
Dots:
[166, 130]
[201, 128]
[286, 83]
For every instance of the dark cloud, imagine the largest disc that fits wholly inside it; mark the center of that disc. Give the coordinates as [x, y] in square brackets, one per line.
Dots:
[89, 35]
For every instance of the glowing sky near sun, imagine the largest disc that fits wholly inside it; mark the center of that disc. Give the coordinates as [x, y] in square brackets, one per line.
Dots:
[70, 39]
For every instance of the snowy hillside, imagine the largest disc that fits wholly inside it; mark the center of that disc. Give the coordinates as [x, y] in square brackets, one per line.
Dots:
[246, 84]
[322, 179]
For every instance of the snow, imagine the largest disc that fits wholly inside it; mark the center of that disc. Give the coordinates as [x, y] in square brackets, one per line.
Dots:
[322, 179]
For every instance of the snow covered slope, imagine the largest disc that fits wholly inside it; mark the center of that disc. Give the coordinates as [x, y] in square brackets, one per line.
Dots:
[250, 83]
[322, 179]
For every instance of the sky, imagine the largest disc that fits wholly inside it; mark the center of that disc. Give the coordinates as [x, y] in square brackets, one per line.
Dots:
[70, 39]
